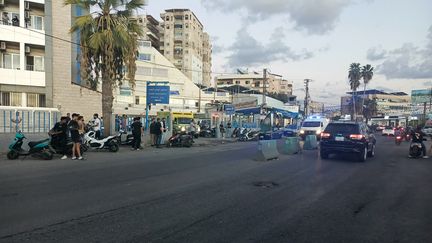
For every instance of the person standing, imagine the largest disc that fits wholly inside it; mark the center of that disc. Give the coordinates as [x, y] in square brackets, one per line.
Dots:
[96, 125]
[158, 132]
[152, 132]
[59, 136]
[137, 132]
[68, 118]
[192, 128]
[75, 136]
[17, 120]
[222, 130]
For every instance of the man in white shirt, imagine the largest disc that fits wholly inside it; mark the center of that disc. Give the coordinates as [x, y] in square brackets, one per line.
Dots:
[97, 126]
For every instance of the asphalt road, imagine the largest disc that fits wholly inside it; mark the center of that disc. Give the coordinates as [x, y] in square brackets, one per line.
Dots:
[217, 194]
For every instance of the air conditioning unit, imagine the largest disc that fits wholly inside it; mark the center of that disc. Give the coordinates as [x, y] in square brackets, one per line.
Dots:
[27, 6]
[27, 15]
[3, 46]
[27, 49]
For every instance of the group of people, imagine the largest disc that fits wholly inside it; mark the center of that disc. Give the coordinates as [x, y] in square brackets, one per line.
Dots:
[157, 130]
[74, 127]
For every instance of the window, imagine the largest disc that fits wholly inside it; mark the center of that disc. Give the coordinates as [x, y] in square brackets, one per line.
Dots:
[5, 98]
[237, 82]
[144, 57]
[10, 61]
[178, 17]
[36, 22]
[187, 26]
[186, 17]
[247, 82]
[160, 72]
[178, 26]
[167, 18]
[137, 100]
[32, 100]
[35, 63]
[16, 99]
[42, 102]
[167, 26]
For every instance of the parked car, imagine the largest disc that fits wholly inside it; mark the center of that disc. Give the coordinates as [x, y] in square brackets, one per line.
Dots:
[389, 131]
[348, 137]
[427, 129]
[379, 128]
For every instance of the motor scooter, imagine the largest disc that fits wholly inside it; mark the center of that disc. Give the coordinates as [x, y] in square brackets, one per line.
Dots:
[180, 139]
[415, 150]
[38, 149]
[109, 142]
[58, 148]
[127, 141]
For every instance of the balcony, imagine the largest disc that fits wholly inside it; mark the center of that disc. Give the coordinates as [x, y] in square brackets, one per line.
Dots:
[35, 68]
[22, 77]
[17, 34]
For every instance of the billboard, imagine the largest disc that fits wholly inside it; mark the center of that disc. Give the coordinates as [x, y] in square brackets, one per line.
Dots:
[420, 96]
[158, 94]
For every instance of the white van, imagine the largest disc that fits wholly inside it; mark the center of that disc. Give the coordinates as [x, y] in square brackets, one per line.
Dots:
[313, 125]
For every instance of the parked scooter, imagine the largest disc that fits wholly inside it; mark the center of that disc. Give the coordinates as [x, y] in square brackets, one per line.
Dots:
[249, 135]
[208, 132]
[39, 149]
[109, 142]
[126, 141]
[180, 139]
[57, 148]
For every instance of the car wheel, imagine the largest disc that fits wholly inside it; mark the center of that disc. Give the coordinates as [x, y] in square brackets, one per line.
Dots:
[324, 155]
[363, 155]
[372, 152]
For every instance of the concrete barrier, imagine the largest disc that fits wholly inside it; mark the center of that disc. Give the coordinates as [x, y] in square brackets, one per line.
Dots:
[290, 146]
[310, 142]
[267, 150]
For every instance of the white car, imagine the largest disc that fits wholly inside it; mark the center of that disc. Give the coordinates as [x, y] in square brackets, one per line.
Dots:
[389, 131]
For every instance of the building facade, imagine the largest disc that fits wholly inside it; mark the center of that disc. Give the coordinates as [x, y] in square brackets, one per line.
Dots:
[186, 45]
[254, 81]
[22, 54]
[151, 28]
[185, 96]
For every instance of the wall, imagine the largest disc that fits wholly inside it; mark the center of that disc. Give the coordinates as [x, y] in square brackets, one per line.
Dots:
[66, 96]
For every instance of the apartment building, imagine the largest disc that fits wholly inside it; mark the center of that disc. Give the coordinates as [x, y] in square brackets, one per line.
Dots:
[151, 27]
[22, 53]
[254, 81]
[186, 45]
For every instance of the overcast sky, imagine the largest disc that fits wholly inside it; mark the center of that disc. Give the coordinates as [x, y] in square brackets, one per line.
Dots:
[318, 39]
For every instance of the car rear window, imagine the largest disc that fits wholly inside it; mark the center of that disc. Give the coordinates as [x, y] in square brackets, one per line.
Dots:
[388, 127]
[342, 128]
[311, 124]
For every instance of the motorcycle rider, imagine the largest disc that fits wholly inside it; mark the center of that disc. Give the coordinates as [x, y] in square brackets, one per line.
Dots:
[417, 137]
[59, 135]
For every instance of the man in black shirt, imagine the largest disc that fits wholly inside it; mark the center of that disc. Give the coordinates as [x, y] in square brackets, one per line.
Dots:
[137, 132]
[59, 135]
[152, 132]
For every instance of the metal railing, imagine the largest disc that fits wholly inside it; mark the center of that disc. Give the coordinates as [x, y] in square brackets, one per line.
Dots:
[27, 120]
[34, 68]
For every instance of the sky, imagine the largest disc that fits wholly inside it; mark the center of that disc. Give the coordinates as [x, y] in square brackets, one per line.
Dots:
[318, 40]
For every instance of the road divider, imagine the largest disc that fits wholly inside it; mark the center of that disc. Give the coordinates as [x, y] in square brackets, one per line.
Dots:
[310, 142]
[267, 150]
[290, 146]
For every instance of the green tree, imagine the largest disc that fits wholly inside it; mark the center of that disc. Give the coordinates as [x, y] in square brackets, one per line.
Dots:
[366, 74]
[108, 46]
[354, 75]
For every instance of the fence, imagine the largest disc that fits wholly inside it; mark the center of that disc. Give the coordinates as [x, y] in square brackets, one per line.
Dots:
[27, 120]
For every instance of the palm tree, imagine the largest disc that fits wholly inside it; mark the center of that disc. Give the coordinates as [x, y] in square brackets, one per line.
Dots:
[366, 74]
[108, 46]
[370, 108]
[354, 75]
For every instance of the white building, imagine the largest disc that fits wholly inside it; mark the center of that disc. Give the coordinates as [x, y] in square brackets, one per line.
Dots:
[154, 67]
[22, 53]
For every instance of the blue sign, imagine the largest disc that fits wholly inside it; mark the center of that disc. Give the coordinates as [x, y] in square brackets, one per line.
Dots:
[174, 92]
[158, 94]
[229, 109]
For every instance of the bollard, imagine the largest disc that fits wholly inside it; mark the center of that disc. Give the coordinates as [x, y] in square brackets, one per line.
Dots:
[290, 146]
[310, 142]
[267, 150]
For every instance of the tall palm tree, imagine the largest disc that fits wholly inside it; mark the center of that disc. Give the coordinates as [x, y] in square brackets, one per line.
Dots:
[366, 74]
[354, 75]
[108, 46]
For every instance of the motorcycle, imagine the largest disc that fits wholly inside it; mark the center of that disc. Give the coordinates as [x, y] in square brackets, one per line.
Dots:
[415, 150]
[249, 135]
[127, 141]
[398, 139]
[208, 132]
[109, 142]
[39, 149]
[57, 148]
[180, 140]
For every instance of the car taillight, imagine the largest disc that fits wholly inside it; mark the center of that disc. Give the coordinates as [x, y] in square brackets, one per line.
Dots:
[398, 137]
[325, 135]
[356, 136]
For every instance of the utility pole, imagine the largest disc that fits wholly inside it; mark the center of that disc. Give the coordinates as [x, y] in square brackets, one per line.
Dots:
[307, 97]
[264, 86]
[199, 99]
[424, 112]
[430, 99]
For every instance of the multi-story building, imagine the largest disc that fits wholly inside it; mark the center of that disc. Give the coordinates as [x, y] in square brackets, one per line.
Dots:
[22, 53]
[388, 103]
[254, 81]
[186, 45]
[151, 28]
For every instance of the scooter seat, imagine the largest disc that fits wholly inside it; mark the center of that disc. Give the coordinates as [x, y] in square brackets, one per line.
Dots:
[34, 143]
